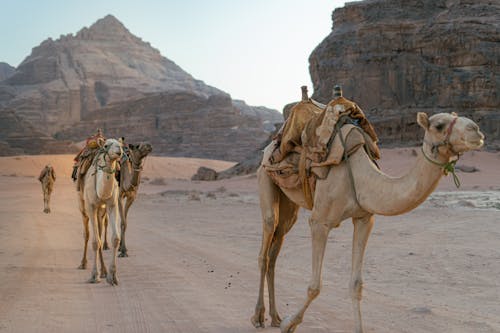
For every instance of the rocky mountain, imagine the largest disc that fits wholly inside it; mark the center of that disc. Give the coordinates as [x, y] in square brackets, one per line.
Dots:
[6, 70]
[398, 57]
[95, 77]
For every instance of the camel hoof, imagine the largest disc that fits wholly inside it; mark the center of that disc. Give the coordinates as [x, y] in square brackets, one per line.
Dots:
[112, 279]
[94, 279]
[258, 320]
[46, 210]
[276, 321]
[123, 254]
[105, 246]
[104, 274]
[288, 325]
[83, 265]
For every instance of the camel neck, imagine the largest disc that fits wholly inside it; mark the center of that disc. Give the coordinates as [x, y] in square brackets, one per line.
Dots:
[381, 194]
[130, 175]
[105, 176]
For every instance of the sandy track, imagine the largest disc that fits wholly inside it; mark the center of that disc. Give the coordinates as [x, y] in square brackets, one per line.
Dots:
[193, 265]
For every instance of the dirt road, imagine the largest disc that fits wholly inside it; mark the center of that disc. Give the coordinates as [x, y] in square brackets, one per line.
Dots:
[193, 265]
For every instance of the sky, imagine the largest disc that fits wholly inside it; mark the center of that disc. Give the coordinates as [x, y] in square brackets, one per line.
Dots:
[255, 50]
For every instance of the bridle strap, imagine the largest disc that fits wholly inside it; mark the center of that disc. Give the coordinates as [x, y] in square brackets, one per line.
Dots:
[104, 168]
[448, 167]
[136, 166]
[450, 128]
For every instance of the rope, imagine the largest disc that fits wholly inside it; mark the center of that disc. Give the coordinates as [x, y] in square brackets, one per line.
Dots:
[448, 167]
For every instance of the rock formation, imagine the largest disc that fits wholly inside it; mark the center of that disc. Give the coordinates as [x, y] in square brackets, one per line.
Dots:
[103, 72]
[179, 124]
[6, 70]
[398, 57]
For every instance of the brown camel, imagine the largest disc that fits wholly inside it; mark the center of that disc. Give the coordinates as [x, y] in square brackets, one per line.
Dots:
[101, 191]
[47, 178]
[337, 198]
[130, 179]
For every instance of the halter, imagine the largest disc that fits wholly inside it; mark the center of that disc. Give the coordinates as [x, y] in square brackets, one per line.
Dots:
[104, 168]
[136, 166]
[448, 167]
[446, 141]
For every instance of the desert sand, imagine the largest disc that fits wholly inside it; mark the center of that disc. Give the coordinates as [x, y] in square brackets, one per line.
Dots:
[193, 248]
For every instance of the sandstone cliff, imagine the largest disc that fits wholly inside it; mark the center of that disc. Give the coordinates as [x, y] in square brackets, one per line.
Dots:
[103, 73]
[6, 70]
[397, 57]
[180, 124]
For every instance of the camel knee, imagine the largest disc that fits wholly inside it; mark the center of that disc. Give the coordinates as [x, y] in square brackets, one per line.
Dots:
[263, 261]
[96, 245]
[357, 289]
[269, 223]
[313, 291]
[116, 241]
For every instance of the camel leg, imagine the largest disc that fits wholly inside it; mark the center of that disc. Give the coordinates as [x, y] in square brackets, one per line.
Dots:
[105, 219]
[46, 197]
[96, 243]
[124, 222]
[269, 199]
[115, 239]
[319, 235]
[86, 234]
[101, 219]
[362, 229]
[287, 218]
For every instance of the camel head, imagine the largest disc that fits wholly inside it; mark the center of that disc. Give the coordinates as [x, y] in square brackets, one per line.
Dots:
[138, 152]
[450, 135]
[113, 149]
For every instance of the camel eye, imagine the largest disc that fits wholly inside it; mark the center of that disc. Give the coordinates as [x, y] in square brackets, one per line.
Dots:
[440, 127]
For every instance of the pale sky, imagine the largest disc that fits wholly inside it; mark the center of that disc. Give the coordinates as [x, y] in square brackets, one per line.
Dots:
[255, 50]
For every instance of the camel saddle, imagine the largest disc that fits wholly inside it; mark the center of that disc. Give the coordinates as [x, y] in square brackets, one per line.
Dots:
[85, 161]
[313, 139]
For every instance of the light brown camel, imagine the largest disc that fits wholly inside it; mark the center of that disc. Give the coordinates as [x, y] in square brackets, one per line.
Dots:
[47, 178]
[130, 179]
[101, 190]
[338, 198]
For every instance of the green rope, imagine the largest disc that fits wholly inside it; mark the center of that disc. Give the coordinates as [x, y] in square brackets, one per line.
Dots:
[448, 167]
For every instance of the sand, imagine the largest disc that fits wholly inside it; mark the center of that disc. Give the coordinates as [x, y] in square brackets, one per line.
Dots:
[193, 247]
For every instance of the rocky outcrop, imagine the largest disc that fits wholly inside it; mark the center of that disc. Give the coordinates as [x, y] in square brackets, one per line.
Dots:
[6, 70]
[398, 57]
[105, 76]
[18, 137]
[178, 124]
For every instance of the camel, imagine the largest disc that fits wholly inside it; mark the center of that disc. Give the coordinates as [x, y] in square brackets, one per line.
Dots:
[360, 196]
[47, 178]
[100, 191]
[130, 179]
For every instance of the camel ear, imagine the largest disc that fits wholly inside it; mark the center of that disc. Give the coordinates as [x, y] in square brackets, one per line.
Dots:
[423, 120]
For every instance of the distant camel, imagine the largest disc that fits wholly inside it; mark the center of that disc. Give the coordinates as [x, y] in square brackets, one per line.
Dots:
[101, 188]
[130, 179]
[340, 196]
[47, 178]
